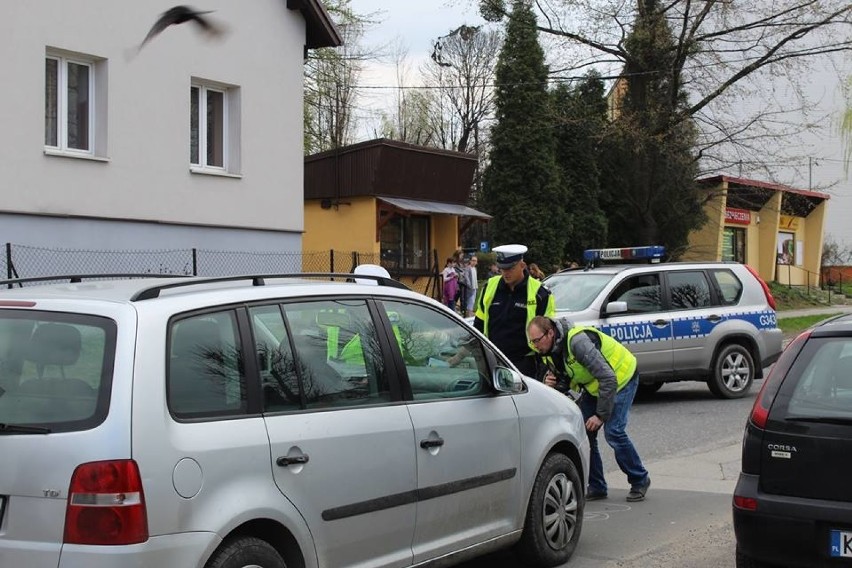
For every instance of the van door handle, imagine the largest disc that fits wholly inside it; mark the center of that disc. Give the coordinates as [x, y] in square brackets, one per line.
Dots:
[436, 443]
[714, 318]
[284, 461]
[661, 323]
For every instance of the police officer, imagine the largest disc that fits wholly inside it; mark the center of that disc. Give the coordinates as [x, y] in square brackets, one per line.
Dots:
[508, 303]
[577, 357]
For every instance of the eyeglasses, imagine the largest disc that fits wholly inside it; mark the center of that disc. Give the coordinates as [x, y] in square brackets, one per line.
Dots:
[535, 340]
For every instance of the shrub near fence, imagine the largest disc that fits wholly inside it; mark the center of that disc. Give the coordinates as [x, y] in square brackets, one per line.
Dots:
[21, 261]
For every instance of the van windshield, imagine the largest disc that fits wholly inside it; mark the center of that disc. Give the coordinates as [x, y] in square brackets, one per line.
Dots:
[575, 291]
[55, 370]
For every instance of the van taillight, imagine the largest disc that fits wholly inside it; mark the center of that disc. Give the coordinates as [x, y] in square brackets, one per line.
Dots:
[763, 402]
[769, 299]
[106, 504]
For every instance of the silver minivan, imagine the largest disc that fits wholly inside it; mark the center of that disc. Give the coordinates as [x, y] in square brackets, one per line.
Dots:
[271, 422]
[712, 322]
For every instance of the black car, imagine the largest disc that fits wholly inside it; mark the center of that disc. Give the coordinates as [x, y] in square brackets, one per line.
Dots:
[793, 502]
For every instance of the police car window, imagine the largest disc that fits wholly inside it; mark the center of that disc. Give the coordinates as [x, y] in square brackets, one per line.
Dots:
[333, 357]
[729, 285]
[641, 292]
[688, 290]
[427, 339]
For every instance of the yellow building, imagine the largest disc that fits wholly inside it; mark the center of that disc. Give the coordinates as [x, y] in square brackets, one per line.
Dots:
[777, 230]
[391, 203]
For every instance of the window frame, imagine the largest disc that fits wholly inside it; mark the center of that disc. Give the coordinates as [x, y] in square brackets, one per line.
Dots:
[396, 260]
[62, 129]
[202, 121]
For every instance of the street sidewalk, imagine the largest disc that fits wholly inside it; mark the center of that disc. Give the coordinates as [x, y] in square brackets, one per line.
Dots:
[816, 310]
[712, 470]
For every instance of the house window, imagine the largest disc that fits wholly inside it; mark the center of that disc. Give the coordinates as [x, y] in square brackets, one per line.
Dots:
[733, 244]
[214, 127]
[405, 243]
[69, 104]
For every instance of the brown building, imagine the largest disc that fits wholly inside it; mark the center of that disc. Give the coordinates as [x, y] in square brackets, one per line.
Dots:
[396, 204]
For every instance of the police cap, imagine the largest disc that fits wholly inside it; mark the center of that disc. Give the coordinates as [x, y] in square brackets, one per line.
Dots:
[509, 255]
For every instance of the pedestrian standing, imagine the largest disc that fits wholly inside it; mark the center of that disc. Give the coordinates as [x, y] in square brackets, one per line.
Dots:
[587, 359]
[507, 305]
[450, 284]
[472, 281]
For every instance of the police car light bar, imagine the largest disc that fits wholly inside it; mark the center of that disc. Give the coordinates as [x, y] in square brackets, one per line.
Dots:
[652, 253]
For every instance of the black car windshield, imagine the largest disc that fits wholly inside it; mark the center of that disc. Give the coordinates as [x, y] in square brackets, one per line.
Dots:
[574, 291]
[823, 383]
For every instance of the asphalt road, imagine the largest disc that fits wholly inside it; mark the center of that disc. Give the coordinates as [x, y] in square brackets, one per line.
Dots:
[689, 441]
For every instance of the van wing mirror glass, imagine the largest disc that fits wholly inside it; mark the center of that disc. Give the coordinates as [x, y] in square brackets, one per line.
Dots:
[507, 380]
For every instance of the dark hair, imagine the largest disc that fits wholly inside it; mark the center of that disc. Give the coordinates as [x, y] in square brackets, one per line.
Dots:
[544, 323]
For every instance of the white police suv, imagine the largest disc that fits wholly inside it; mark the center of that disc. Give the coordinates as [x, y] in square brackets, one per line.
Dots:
[712, 321]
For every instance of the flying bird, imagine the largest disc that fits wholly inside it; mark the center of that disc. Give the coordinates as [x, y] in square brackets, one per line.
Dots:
[181, 15]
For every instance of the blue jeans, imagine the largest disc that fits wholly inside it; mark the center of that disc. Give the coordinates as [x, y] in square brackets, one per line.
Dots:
[616, 436]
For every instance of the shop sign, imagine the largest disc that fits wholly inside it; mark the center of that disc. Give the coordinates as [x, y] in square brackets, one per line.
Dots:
[737, 216]
[788, 223]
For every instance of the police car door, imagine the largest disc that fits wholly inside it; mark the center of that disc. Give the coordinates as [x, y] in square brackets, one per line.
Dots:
[693, 317]
[645, 328]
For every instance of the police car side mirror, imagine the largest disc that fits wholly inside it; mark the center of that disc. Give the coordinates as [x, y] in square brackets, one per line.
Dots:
[507, 380]
[615, 308]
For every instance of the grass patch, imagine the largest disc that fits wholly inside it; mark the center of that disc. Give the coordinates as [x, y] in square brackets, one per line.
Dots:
[801, 323]
[791, 298]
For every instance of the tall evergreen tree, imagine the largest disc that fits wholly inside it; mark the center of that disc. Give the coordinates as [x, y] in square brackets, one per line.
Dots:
[521, 183]
[580, 119]
[648, 163]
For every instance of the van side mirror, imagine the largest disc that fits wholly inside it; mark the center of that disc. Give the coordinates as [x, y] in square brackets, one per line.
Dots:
[507, 380]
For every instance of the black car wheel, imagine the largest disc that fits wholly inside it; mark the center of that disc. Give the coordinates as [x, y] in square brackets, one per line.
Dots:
[554, 514]
[246, 552]
[733, 372]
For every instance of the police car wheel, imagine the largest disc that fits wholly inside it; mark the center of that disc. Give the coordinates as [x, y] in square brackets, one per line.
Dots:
[732, 373]
[648, 389]
[554, 514]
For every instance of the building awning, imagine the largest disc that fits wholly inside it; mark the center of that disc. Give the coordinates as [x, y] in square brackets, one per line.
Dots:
[417, 206]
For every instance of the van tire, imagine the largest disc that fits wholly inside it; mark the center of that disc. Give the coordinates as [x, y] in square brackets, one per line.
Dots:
[733, 372]
[246, 551]
[558, 493]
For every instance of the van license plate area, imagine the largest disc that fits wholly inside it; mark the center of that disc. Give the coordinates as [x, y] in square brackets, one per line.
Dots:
[840, 544]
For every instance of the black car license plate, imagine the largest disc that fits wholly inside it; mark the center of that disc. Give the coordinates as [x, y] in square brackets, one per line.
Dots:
[840, 544]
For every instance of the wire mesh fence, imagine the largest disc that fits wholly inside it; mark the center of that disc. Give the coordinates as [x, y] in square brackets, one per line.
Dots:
[22, 261]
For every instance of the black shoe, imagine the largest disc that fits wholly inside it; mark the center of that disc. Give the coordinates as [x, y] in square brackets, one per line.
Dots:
[595, 495]
[638, 493]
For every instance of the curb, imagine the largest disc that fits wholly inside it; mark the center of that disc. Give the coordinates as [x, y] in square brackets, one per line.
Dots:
[712, 471]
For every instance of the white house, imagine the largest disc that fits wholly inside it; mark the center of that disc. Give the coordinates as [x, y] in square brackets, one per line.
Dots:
[190, 141]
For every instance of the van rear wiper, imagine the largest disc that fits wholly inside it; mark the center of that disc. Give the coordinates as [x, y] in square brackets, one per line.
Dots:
[821, 419]
[21, 429]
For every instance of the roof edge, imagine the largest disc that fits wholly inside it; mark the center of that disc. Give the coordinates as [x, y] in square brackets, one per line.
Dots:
[393, 144]
[763, 184]
[321, 31]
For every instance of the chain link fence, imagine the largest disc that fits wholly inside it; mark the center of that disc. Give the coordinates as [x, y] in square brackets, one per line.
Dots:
[21, 261]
